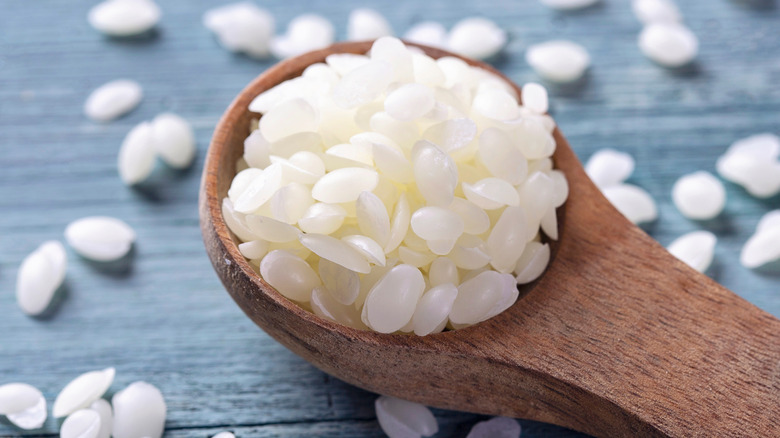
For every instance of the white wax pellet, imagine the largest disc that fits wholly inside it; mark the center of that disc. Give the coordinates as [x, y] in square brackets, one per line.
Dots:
[496, 104]
[289, 275]
[476, 37]
[507, 240]
[100, 238]
[496, 427]
[236, 222]
[304, 33]
[288, 118]
[433, 308]
[336, 251]
[343, 63]
[699, 195]
[260, 189]
[759, 146]
[762, 248]
[290, 203]
[342, 283]
[482, 297]
[649, 11]
[113, 99]
[103, 408]
[695, 249]
[400, 418]
[499, 153]
[324, 306]
[372, 217]
[363, 84]
[40, 275]
[137, 154]
[322, 218]
[532, 262]
[443, 271]
[754, 163]
[475, 220]
[534, 139]
[139, 411]
[568, 4]
[469, 253]
[429, 33]
[435, 172]
[399, 224]
[23, 405]
[633, 202]
[367, 24]
[241, 27]
[608, 167]
[17, 397]
[558, 60]
[224, 435]
[452, 136]
[174, 140]
[668, 44]
[394, 51]
[391, 302]
[436, 223]
[122, 18]
[769, 221]
[367, 247]
[491, 193]
[535, 98]
[84, 423]
[344, 185]
[270, 229]
[409, 102]
[80, 392]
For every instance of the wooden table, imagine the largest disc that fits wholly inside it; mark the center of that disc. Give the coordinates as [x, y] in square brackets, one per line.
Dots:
[164, 317]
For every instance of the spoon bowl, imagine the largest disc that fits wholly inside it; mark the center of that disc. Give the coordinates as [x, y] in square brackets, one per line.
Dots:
[616, 339]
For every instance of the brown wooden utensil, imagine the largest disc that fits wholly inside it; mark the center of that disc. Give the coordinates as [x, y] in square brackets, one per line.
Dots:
[617, 339]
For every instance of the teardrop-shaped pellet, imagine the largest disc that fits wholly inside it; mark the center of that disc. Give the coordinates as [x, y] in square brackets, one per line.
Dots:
[82, 391]
[390, 304]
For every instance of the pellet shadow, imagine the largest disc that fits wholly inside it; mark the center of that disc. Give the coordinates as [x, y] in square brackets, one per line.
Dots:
[690, 70]
[152, 189]
[758, 5]
[649, 227]
[141, 39]
[772, 202]
[570, 89]
[587, 10]
[121, 268]
[771, 269]
[500, 60]
[723, 224]
[714, 270]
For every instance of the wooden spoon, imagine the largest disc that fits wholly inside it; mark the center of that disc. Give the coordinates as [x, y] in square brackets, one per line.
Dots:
[617, 339]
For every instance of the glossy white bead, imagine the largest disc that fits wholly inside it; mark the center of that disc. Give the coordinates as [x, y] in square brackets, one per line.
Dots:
[39, 276]
[404, 419]
[139, 411]
[100, 238]
[699, 195]
[113, 99]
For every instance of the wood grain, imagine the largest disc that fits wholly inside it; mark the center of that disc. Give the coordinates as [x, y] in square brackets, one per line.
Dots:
[614, 340]
[166, 318]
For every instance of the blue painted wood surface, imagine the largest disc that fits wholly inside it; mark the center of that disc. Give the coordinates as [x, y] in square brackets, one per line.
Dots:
[163, 316]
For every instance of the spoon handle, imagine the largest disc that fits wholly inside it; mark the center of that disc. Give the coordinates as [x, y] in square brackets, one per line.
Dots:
[632, 342]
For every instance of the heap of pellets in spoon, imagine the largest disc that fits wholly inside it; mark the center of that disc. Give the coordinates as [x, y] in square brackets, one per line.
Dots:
[395, 192]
